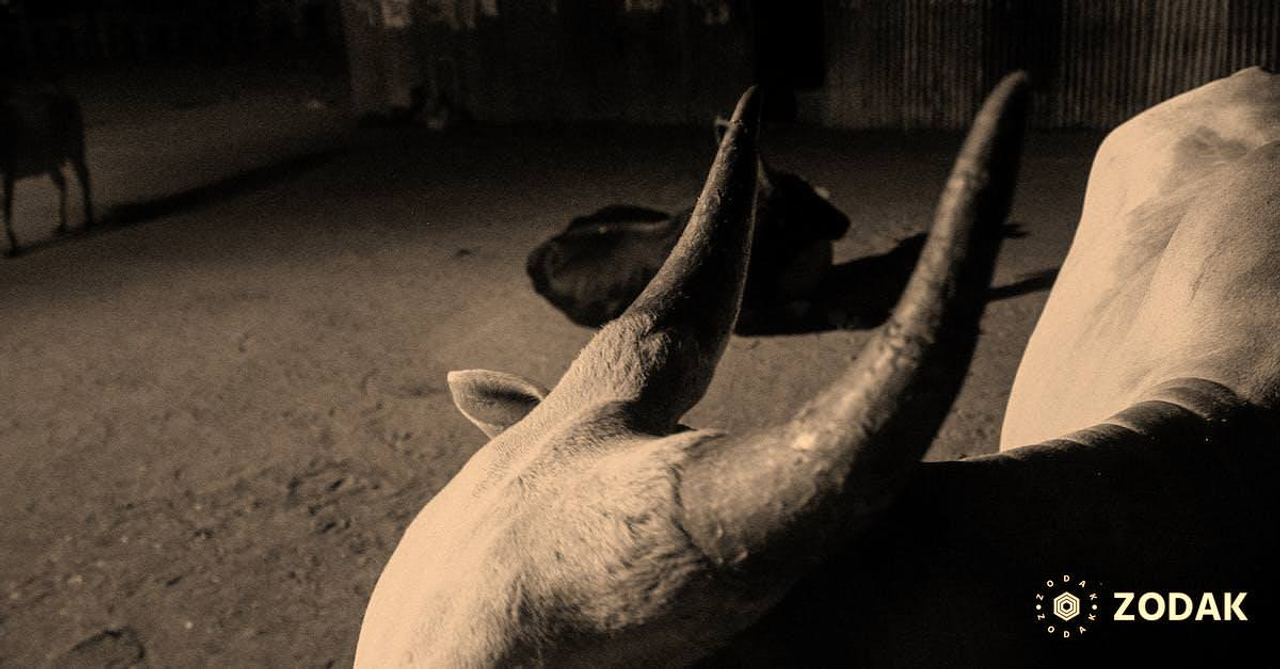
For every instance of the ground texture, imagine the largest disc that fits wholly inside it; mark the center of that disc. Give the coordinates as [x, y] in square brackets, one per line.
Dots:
[218, 412]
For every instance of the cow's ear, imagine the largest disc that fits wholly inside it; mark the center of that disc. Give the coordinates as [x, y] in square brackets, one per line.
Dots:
[494, 401]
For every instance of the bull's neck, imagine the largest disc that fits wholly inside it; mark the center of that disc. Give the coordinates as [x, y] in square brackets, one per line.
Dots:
[1180, 497]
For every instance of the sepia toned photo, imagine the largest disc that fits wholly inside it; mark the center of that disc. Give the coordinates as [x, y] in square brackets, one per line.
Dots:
[639, 333]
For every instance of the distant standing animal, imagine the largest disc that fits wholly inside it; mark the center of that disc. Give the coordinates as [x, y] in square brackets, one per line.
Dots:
[41, 129]
[595, 268]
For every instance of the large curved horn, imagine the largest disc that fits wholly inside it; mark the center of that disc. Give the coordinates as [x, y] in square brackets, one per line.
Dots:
[766, 506]
[662, 351]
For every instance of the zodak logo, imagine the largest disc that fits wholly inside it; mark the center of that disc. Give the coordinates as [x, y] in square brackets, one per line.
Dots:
[1180, 606]
[1066, 607]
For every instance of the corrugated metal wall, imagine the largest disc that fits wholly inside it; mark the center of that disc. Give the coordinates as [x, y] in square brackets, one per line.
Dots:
[888, 63]
[1094, 63]
[588, 60]
[1123, 56]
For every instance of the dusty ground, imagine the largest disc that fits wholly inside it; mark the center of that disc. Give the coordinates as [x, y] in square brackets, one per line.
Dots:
[217, 416]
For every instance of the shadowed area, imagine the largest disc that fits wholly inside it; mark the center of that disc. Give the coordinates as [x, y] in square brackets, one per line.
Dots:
[859, 294]
[1034, 282]
[131, 213]
[138, 212]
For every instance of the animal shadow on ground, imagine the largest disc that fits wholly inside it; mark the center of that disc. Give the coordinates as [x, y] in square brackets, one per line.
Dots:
[128, 214]
[860, 294]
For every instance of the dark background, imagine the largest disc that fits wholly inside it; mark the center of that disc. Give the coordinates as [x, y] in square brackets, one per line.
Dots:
[847, 64]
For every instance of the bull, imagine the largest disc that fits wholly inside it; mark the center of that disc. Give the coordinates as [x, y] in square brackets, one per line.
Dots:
[594, 529]
[603, 260]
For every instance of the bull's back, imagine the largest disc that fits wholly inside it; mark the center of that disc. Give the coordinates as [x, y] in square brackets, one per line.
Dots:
[1172, 270]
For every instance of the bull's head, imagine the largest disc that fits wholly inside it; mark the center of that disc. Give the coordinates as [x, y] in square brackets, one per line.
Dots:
[593, 528]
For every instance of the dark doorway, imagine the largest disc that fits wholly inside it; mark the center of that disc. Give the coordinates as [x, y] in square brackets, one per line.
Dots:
[789, 53]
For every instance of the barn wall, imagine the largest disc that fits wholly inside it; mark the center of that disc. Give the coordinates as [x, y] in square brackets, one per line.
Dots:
[1135, 54]
[587, 60]
[1094, 63]
[64, 35]
[888, 63]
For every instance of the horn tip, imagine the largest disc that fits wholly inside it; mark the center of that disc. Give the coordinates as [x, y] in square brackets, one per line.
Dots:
[1014, 84]
[1006, 107]
[1017, 78]
[747, 113]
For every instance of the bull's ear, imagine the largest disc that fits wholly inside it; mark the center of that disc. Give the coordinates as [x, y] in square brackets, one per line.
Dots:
[494, 401]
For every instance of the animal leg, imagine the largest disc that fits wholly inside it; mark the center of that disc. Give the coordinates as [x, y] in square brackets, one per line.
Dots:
[86, 191]
[60, 181]
[8, 214]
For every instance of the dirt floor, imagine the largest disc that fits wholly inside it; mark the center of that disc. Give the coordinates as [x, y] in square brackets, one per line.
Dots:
[218, 413]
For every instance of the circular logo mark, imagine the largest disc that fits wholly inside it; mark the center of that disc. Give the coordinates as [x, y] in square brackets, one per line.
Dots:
[1066, 606]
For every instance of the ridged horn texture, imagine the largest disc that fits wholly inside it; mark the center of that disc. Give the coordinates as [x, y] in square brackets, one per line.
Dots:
[662, 351]
[768, 505]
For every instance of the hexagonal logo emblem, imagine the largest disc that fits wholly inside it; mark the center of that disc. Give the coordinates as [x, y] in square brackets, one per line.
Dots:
[1066, 606]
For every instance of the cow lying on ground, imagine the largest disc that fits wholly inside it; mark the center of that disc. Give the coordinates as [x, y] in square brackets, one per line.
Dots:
[601, 262]
[594, 529]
